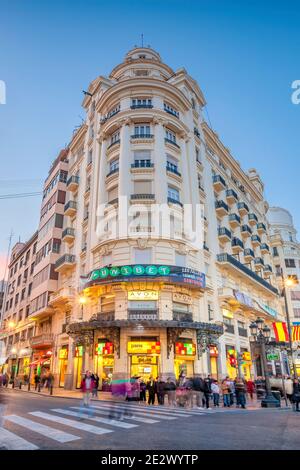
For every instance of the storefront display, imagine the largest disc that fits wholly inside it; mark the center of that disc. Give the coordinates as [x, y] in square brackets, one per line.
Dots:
[78, 360]
[63, 364]
[185, 352]
[144, 358]
[104, 363]
[231, 362]
[213, 355]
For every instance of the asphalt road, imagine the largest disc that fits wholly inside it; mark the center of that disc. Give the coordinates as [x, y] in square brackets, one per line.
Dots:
[38, 422]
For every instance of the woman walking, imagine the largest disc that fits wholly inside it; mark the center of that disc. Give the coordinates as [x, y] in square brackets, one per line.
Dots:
[225, 386]
[296, 394]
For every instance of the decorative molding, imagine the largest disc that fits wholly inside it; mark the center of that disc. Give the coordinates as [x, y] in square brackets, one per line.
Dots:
[172, 335]
[142, 243]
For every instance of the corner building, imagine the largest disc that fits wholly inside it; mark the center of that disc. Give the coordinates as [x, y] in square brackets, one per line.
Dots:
[147, 303]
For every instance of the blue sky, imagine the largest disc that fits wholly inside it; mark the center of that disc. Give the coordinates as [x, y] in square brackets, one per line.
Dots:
[244, 55]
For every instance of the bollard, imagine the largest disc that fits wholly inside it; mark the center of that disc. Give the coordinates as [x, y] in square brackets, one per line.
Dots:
[28, 386]
[39, 387]
[20, 385]
[51, 389]
[13, 384]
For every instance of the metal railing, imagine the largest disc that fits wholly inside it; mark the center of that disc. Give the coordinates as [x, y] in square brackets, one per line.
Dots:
[143, 314]
[67, 258]
[173, 169]
[174, 201]
[68, 231]
[182, 316]
[224, 231]
[142, 164]
[142, 136]
[142, 196]
[219, 179]
[171, 142]
[70, 205]
[221, 204]
[73, 179]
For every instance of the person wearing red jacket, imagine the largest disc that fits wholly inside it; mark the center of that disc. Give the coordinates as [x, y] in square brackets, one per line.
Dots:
[87, 386]
[250, 388]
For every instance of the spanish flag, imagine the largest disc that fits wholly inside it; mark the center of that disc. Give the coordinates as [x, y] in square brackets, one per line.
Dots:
[281, 331]
[296, 333]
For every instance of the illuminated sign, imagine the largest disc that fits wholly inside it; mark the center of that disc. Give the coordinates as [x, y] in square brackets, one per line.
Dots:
[184, 298]
[63, 353]
[143, 347]
[227, 313]
[185, 349]
[267, 309]
[104, 349]
[213, 351]
[78, 351]
[175, 274]
[246, 356]
[143, 295]
[144, 360]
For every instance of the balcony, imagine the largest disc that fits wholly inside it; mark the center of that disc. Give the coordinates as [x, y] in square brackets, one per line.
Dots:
[109, 115]
[71, 208]
[142, 136]
[113, 202]
[231, 196]
[196, 132]
[68, 235]
[219, 183]
[256, 241]
[233, 264]
[174, 201]
[62, 297]
[143, 197]
[173, 169]
[252, 219]
[261, 228]
[42, 341]
[141, 106]
[114, 171]
[64, 262]
[229, 329]
[171, 111]
[237, 245]
[242, 208]
[248, 255]
[146, 314]
[224, 234]
[172, 142]
[221, 208]
[264, 248]
[182, 316]
[72, 183]
[106, 316]
[234, 220]
[115, 142]
[267, 270]
[246, 231]
[258, 263]
[142, 164]
[243, 332]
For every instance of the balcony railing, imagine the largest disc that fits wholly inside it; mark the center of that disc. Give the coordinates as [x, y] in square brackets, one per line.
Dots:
[221, 205]
[147, 314]
[175, 201]
[259, 261]
[248, 253]
[113, 172]
[229, 329]
[246, 229]
[196, 132]
[140, 106]
[237, 242]
[71, 206]
[172, 112]
[169, 141]
[173, 169]
[73, 180]
[106, 316]
[268, 269]
[224, 232]
[242, 206]
[113, 201]
[182, 316]
[45, 339]
[142, 136]
[69, 232]
[243, 332]
[109, 115]
[226, 258]
[264, 247]
[65, 259]
[114, 143]
[142, 196]
[256, 239]
[252, 217]
[231, 194]
[219, 179]
[261, 226]
[142, 164]
[234, 218]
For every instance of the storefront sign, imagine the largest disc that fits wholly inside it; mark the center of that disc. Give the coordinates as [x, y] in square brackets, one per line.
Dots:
[78, 351]
[267, 309]
[213, 351]
[185, 349]
[104, 349]
[243, 298]
[144, 360]
[63, 353]
[176, 274]
[143, 347]
[246, 356]
[227, 313]
[273, 357]
[182, 298]
[143, 295]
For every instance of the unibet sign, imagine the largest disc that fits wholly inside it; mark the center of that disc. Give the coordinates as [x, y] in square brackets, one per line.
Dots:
[136, 270]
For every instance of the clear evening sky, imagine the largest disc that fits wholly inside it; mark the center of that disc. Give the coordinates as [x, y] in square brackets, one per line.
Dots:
[244, 55]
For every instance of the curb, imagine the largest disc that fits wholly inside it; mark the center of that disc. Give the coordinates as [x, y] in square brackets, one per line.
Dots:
[40, 394]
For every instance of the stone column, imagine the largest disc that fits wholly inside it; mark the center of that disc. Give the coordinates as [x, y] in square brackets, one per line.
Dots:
[160, 163]
[167, 363]
[125, 186]
[69, 376]
[121, 364]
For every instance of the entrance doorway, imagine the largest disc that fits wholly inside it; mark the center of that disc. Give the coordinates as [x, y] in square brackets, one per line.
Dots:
[184, 366]
[144, 366]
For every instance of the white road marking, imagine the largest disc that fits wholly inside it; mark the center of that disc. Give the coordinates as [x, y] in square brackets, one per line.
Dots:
[146, 409]
[106, 412]
[71, 423]
[13, 442]
[142, 412]
[46, 431]
[112, 422]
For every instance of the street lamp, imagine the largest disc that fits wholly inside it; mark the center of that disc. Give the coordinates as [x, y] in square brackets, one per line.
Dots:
[290, 281]
[261, 335]
[82, 301]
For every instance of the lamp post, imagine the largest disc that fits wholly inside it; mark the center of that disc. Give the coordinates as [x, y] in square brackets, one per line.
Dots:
[261, 334]
[289, 282]
[82, 301]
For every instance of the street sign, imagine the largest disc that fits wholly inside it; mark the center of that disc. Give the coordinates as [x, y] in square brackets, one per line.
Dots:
[273, 357]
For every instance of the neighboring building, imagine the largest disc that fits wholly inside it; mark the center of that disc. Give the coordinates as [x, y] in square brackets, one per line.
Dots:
[17, 326]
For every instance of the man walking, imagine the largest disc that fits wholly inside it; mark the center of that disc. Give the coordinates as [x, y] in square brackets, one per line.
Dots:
[198, 387]
[87, 386]
[152, 389]
[207, 391]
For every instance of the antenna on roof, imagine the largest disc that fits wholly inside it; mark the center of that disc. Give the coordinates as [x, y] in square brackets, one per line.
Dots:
[142, 38]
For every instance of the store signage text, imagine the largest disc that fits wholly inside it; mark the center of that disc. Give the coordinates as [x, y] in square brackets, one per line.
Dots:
[104, 349]
[143, 347]
[143, 295]
[183, 298]
[185, 349]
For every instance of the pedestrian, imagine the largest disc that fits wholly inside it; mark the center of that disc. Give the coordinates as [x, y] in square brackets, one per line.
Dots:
[87, 385]
[95, 378]
[289, 388]
[161, 391]
[231, 391]
[225, 386]
[207, 391]
[170, 389]
[216, 392]
[250, 388]
[188, 392]
[152, 389]
[198, 388]
[296, 395]
[143, 388]
[240, 392]
[37, 381]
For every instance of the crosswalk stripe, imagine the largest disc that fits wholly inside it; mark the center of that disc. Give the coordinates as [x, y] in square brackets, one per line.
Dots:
[47, 431]
[112, 422]
[71, 423]
[148, 410]
[13, 442]
[139, 419]
[141, 412]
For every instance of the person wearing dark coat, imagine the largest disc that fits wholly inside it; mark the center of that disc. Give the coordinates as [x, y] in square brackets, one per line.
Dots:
[161, 384]
[198, 387]
[152, 390]
[296, 394]
[207, 390]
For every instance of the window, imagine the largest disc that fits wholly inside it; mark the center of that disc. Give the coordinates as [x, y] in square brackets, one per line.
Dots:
[297, 312]
[295, 295]
[114, 165]
[16, 299]
[210, 312]
[90, 157]
[142, 256]
[197, 154]
[241, 324]
[142, 158]
[142, 187]
[181, 307]
[34, 248]
[29, 289]
[173, 193]
[27, 311]
[19, 280]
[290, 263]
[20, 317]
[25, 275]
[291, 237]
[91, 132]
[275, 251]
[180, 260]
[107, 304]
[172, 164]
[115, 137]
[142, 130]
[193, 102]
[141, 103]
[169, 109]
[170, 136]
[107, 260]
[278, 270]
[23, 294]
